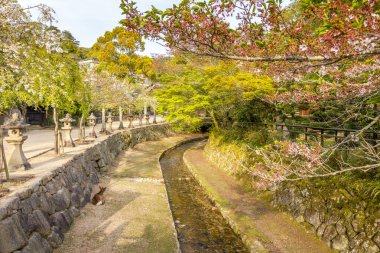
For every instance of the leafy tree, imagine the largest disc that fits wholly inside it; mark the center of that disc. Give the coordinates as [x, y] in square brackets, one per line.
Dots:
[218, 91]
[117, 53]
[21, 44]
[123, 72]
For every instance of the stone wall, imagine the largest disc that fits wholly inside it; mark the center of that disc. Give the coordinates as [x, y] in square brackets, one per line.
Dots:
[35, 218]
[347, 219]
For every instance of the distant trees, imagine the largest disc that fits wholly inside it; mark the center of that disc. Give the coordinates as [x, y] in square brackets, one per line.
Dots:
[124, 71]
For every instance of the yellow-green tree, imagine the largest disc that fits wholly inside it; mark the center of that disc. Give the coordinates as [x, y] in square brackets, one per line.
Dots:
[219, 91]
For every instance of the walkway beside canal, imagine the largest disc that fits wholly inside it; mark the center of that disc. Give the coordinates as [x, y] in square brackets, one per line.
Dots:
[136, 216]
[262, 227]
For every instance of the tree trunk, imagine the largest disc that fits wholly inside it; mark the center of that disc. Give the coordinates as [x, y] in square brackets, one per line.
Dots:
[81, 129]
[145, 108]
[121, 126]
[103, 130]
[216, 125]
[24, 110]
[154, 116]
[56, 126]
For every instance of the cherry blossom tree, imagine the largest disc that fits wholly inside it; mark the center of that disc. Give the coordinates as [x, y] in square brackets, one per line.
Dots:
[336, 40]
[21, 40]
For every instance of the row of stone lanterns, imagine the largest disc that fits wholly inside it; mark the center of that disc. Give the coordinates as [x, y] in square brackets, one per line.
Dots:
[16, 138]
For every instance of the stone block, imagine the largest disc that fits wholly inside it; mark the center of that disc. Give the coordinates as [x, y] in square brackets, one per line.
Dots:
[370, 247]
[47, 204]
[60, 221]
[329, 233]
[23, 193]
[68, 216]
[357, 240]
[27, 222]
[42, 224]
[35, 201]
[62, 199]
[75, 200]
[26, 206]
[37, 244]
[78, 189]
[340, 243]
[86, 198]
[312, 217]
[74, 211]
[11, 204]
[52, 187]
[94, 178]
[376, 239]
[12, 236]
[55, 240]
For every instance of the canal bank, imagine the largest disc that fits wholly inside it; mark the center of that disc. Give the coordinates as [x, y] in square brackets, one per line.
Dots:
[262, 228]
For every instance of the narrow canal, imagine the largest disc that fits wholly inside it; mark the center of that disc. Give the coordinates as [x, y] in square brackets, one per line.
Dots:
[199, 224]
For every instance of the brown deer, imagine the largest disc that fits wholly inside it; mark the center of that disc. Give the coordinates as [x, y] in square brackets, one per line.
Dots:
[99, 198]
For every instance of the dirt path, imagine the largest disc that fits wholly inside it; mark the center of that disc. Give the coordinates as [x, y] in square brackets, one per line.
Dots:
[136, 216]
[253, 218]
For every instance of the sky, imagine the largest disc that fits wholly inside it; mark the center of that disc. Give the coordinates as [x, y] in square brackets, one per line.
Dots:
[89, 19]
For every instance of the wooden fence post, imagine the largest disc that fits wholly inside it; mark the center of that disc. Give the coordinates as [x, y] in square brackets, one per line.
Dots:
[3, 160]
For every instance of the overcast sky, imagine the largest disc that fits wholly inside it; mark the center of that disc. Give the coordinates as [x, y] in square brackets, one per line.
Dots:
[89, 19]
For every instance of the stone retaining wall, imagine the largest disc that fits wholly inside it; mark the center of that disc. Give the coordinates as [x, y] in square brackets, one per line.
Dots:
[35, 218]
[347, 220]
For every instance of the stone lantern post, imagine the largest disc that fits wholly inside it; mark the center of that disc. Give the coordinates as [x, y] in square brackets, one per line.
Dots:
[147, 118]
[66, 130]
[109, 123]
[16, 138]
[92, 123]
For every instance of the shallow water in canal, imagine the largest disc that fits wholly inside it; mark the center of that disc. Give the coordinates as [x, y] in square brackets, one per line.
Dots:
[199, 224]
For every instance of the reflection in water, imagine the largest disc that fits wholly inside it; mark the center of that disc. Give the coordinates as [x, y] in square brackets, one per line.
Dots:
[200, 226]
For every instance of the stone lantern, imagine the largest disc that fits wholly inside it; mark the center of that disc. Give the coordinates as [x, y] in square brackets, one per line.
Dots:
[109, 122]
[66, 130]
[147, 118]
[16, 139]
[130, 119]
[92, 123]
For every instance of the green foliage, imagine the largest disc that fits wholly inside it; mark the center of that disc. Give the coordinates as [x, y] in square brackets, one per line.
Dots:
[117, 51]
[219, 93]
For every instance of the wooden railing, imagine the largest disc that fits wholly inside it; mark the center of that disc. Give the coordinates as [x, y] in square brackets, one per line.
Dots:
[323, 133]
